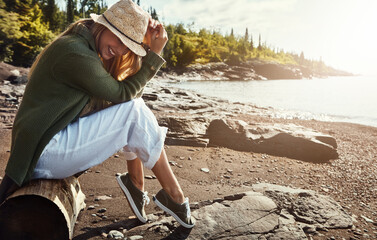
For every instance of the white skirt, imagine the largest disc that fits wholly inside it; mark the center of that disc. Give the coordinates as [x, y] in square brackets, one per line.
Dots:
[91, 140]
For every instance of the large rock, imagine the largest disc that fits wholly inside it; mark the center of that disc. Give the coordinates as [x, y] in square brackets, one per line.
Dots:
[185, 131]
[306, 206]
[290, 140]
[268, 212]
[10, 72]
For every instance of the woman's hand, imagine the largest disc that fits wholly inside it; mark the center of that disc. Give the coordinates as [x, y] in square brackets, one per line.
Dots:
[156, 36]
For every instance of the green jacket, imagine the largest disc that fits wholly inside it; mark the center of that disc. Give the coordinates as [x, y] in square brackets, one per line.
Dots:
[68, 74]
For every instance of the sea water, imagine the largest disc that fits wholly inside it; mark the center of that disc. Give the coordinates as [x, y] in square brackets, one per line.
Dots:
[349, 99]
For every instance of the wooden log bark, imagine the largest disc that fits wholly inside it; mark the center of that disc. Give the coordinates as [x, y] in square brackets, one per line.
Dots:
[42, 209]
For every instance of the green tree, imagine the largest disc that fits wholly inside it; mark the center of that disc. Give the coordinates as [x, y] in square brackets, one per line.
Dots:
[92, 6]
[180, 29]
[302, 59]
[70, 11]
[10, 32]
[246, 35]
[251, 43]
[153, 13]
[34, 32]
[260, 43]
[51, 15]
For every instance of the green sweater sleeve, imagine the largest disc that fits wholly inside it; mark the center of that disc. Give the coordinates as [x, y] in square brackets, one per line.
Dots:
[86, 73]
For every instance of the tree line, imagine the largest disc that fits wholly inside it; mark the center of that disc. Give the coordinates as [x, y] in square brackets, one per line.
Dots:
[186, 47]
[26, 26]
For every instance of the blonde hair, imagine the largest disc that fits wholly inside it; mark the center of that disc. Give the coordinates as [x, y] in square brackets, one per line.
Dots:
[118, 67]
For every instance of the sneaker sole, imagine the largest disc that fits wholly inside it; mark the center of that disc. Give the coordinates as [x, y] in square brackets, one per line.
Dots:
[131, 201]
[160, 205]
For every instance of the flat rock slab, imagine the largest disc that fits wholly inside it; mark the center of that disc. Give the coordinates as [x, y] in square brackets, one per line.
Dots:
[307, 206]
[284, 140]
[269, 212]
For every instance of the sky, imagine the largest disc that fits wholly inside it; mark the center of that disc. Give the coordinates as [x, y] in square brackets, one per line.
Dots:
[341, 32]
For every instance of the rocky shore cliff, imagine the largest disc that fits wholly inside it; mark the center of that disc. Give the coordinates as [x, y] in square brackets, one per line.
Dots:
[245, 71]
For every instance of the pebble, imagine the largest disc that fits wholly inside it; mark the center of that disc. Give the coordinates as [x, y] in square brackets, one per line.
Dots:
[228, 161]
[104, 197]
[189, 158]
[227, 176]
[116, 156]
[102, 210]
[91, 207]
[368, 220]
[182, 158]
[115, 234]
[135, 237]
[148, 177]
[206, 170]
[98, 171]
[172, 163]
[309, 230]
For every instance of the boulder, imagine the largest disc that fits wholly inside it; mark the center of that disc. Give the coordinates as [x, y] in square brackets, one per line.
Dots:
[287, 140]
[10, 72]
[185, 131]
[184, 125]
[307, 206]
[268, 212]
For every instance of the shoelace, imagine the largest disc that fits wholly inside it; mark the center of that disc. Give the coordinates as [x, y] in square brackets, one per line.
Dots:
[145, 198]
[188, 211]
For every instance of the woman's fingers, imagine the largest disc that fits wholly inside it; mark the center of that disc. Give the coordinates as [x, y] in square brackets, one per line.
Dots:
[156, 36]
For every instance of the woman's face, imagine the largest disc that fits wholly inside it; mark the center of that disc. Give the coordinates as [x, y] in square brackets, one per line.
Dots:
[110, 46]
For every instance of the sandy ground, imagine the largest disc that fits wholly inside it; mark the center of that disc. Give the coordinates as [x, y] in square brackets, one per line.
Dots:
[351, 180]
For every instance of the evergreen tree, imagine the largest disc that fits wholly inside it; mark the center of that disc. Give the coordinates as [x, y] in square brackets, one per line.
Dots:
[35, 34]
[246, 35]
[70, 11]
[231, 33]
[153, 13]
[302, 58]
[251, 43]
[10, 32]
[50, 13]
[180, 29]
[260, 42]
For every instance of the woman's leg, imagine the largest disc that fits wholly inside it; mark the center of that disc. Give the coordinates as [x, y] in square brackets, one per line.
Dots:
[136, 172]
[164, 174]
[167, 179]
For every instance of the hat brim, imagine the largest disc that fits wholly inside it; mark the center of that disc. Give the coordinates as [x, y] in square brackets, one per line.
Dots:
[134, 47]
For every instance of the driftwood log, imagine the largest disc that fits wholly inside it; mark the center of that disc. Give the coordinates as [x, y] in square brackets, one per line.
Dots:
[42, 209]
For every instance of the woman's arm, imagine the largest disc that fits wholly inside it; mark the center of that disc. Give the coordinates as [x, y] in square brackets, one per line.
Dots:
[86, 73]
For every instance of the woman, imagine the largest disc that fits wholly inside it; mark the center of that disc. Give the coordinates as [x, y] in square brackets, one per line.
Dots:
[82, 104]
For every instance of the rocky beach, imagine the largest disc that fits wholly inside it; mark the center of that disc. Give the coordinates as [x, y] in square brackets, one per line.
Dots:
[250, 172]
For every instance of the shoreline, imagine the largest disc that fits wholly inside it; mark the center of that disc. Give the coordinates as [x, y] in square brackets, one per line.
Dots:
[280, 112]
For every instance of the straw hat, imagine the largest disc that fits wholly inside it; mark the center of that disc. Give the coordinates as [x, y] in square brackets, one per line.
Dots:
[128, 22]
